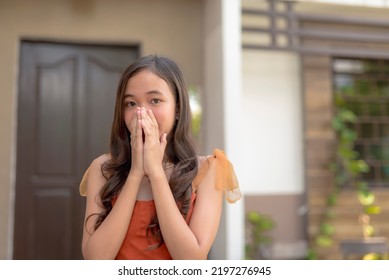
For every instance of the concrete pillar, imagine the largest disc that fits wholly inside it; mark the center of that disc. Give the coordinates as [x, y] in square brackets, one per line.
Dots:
[221, 103]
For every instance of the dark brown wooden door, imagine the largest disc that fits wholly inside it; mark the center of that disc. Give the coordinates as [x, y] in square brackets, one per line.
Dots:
[65, 109]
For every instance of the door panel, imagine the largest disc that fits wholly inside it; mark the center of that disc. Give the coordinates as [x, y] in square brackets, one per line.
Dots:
[100, 106]
[55, 118]
[65, 110]
[55, 240]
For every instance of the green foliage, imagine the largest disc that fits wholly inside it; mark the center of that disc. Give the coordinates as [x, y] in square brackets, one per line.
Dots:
[366, 198]
[372, 210]
[323, 240]
[311, 254]
[195, 103]
[258, 226]
[327, 229]
[332, 199]
[196, 124]
[356, 167]
[347, 169]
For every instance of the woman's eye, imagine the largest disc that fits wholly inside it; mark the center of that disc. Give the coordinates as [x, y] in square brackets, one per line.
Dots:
[155, 101]
[131, 104]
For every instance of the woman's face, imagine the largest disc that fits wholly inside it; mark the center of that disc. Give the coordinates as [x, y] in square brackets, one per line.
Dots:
[148, 90]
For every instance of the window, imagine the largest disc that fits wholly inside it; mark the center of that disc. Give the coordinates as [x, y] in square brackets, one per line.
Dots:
[364, 85]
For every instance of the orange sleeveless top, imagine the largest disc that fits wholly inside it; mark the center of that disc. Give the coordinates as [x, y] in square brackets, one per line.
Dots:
[137, 244]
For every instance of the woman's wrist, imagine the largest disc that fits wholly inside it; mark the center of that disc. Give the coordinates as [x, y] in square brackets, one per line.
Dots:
[157, 174]
[135, 175]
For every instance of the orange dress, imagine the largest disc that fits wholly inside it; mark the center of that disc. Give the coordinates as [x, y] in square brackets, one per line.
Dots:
[136, 244]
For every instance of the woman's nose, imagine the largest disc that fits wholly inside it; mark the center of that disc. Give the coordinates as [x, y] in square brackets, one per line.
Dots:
[146, 107]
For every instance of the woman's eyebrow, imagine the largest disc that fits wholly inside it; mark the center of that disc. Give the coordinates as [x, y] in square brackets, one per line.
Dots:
[128, 95]
[155, 91]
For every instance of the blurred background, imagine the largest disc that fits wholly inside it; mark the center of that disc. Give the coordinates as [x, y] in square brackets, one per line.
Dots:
[295, 92]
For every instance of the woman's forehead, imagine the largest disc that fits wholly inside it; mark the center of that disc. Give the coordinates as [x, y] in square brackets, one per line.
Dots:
[146, 82]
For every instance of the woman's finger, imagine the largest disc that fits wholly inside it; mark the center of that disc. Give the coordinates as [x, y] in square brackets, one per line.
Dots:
[136, 130]
[152, 117]
[150, 127]
[139, 133]
[163, 141]
[133, 124]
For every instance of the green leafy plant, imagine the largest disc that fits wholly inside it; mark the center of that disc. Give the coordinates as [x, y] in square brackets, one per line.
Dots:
[347, 168]
[258, 225]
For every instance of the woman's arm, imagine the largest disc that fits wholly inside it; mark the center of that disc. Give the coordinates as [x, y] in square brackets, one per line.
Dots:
[185, 241]
[105, 242]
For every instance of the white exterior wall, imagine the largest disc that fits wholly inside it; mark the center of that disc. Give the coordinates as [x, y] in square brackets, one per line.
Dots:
[271, 124]
[221, 103]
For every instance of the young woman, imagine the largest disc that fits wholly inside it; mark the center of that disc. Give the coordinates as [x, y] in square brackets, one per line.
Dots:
[152, 197]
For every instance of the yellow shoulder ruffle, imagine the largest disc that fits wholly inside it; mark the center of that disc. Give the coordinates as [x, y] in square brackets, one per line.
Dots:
[84, 181]
[223, 173]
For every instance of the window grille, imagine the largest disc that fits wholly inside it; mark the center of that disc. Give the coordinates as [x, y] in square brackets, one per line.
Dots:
[278, 25]
[364, 85]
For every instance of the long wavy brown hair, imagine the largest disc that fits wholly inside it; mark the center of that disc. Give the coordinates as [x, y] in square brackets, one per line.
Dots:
[180, 148]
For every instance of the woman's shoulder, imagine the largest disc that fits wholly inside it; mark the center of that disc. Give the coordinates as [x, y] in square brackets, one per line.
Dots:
[217, 170]
[201, 160]
[205, 160]
[99, 161]
[94, 169]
